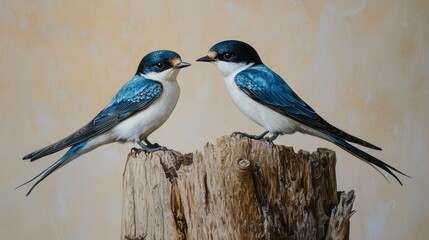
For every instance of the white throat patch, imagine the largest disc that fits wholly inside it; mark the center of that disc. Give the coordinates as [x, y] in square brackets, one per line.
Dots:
[228, 68]
[166, 75]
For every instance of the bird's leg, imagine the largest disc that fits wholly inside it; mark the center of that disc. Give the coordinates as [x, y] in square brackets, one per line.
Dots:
[149, 144]
[271, 139]
[256, 137]
[149, 148]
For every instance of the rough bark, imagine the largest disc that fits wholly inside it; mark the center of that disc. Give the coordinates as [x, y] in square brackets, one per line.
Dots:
[236, 189]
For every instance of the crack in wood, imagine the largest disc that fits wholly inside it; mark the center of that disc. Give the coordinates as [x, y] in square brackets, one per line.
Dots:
[236, 189]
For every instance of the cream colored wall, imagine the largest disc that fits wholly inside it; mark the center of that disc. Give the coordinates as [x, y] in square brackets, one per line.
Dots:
[363, 65]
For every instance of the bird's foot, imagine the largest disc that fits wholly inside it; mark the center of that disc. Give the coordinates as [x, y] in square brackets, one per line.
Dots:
[150, 148]
[239, 134]
[151, 145]
[270, 140]
[136, 151]
[256, 137]
[156, 148]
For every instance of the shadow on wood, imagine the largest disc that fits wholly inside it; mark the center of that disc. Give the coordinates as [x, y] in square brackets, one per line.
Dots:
[236, 189]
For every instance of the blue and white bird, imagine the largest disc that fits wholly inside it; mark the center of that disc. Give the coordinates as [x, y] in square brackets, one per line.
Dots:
[140, 107]
[267, 99]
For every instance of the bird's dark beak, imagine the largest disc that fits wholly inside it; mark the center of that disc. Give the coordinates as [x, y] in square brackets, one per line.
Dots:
[206, 59]
[182, 65]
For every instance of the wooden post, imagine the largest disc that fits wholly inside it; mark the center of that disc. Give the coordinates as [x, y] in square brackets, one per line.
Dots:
[236, 189]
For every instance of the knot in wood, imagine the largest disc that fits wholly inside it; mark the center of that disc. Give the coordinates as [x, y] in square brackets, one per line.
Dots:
[243, 163]
[238, 189]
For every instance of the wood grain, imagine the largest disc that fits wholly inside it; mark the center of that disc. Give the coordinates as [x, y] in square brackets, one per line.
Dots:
[236, 189]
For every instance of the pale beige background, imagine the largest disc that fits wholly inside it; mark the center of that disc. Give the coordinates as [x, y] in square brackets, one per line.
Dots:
[363, 65]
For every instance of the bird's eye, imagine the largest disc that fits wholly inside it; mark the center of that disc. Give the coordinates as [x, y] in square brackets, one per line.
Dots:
[160, 65]
[227, 56]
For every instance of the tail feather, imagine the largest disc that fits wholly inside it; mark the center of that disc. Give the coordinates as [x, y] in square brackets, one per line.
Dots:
[70, 155]
[53, 148]
[368, 158]
[46, 173]
[38, 175]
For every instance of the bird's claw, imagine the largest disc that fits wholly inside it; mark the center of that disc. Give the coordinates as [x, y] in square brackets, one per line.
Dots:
[154, 148]
[255, 137]
[151, 145]
[269, 141]
[155, 145]
[136, 150]
[161, 148]
[239, 134]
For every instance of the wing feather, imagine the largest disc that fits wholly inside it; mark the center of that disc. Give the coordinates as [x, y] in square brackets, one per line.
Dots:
[266, 87]
[133, 97]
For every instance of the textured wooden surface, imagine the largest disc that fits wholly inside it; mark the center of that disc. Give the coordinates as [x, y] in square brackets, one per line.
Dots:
[235, 189]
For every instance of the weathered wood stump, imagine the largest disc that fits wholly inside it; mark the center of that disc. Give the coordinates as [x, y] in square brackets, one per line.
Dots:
[237, 189]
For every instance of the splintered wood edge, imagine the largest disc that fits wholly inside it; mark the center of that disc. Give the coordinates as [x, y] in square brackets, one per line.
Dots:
[171, 160]
[339, 222]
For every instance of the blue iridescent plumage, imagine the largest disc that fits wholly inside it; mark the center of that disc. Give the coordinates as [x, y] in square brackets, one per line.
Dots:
[266, 87]
[273, 90]
[269, 101]
[111, 124]
[135, 95]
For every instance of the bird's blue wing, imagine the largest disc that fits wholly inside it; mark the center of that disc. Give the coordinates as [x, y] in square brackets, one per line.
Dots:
[133, 97]
[266, 87]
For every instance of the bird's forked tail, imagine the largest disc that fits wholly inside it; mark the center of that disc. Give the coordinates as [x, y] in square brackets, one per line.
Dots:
[70, 155]
[373, 161]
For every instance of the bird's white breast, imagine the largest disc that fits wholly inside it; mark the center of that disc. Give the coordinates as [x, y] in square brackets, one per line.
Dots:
[142, 124]
[262, 115]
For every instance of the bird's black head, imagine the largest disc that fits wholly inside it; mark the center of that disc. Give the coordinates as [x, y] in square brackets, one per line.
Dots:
[232, 51]
[159, 61]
